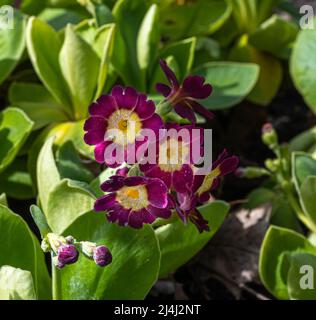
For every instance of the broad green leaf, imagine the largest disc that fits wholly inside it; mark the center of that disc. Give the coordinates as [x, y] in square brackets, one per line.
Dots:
[232, 82]
[40, 106]
[276, 243]
[80, 67]
[67, 201]
[308, 197]
[303, 66]
[16, 182]
[179, 243]
[206, 50]
[148, 40]
[303, 166]
[305, 141]
[47, 173]
[70, 165]
[301, 277]
[44, 45]
[102, 177]
[183, 52]
[201, 17]
[267, 85]
[131, 274]
[103, 44]
[20, 249]
[128, 16]
[32, 7]
[12, 45]
[275, 36]
[16, 284]
[15, 127]
[40, 220]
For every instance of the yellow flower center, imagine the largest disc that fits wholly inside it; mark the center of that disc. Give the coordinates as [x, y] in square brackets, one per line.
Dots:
[134, 198]
[172, 155]
[126, 124]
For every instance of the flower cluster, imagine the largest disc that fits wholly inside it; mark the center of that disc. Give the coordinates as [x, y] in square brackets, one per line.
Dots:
[169, 184]
[65, 250]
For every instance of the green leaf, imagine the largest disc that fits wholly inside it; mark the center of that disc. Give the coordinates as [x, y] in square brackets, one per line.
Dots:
[276, 243]
[20, 249]
[259, 197]
[70, 165]
[67, 201]
[183, 52]
[40, 106]
[40, 220]
[303, 66]
[305, 141]
[148, 40]
[12, 45]
[16, 182]
[302, 272]
[179, 242]
[103, 45]
[16, 284]
[128, 17]
[47, 173]
[232, 82]
[308, 199]
[131, 274]
[103, 176]
[303, 166]
[275, 36]
[201, 17]
[44, 45]
[15, 127]
[80, 68]
[3, 200]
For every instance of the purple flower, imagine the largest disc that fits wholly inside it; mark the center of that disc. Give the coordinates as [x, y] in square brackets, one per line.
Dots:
[184, 98]
[174, 163]
[67, 254]
[134, 201]
[126, 112]
[102, 256]
[200, 192]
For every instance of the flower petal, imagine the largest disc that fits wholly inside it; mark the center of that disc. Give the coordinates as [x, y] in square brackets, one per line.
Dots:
[105, 203]
[184, 110]
[182, 180]
[114, 183]
[126, 98]
[95, 123]
[198, 108]
[163, 89]
[194, 87]
[104, 106]
[160, 213]
[154, 123]
[169, 74]
[157, 193]
[135, 219]
[145, 109]
[94, 137]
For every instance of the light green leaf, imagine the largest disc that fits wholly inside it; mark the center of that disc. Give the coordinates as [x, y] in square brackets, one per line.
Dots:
[40, 220]
[259, 197]
[231, 82]
[148, 40]
[303, 166]
[308, 198]
[275, 36]
[267, 86]
[80, 67]
[12, 45]
[40, 106]
[67, 201]
[16, 284]
[47, 173]
[102, 177]
[303, 66]
[15, 127]
[103, 44]
[273, 265]
[3, 199]
[305, 141]
[20, 249]
[131, 274]
[179, 242]
[44, 45]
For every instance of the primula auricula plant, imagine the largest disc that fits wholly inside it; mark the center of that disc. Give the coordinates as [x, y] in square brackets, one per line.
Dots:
[125, 121]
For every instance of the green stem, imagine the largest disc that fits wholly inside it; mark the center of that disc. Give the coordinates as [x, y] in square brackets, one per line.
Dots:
[54, 280]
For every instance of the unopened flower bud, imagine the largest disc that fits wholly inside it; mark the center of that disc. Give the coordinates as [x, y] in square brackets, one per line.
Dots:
[251, 172]
[70, 240]
[88, 248]
[67, 254]
[272, 164]
[269, 136]
[102, 256]
[55, 241]
[45, 245]
[57, 263]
